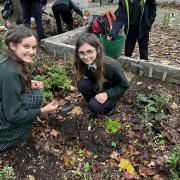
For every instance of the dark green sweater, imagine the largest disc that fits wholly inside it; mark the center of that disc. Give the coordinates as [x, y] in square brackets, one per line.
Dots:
[70, 4]
[116, 84]
[15, 120]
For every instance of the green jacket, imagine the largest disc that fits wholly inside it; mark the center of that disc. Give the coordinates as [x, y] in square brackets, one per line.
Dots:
[115, 82]
[15, 117]
[70, 4]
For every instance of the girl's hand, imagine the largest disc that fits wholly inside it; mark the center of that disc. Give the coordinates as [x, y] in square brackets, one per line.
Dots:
[101, 97]
[37, 84]
[52, 106]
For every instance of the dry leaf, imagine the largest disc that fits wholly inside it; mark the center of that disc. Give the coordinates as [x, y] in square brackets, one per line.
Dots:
[157, 177]
[66, 160]
[126, 165]
[174, 106]
[146, 171]
[31, 177]
[76, 110]
[72, 88]
[139, 83]
[54, 133]
[115, 155]
[68, 98]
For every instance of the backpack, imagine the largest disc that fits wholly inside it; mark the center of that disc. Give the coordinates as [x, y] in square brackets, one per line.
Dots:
[7, 9]
[102, 24]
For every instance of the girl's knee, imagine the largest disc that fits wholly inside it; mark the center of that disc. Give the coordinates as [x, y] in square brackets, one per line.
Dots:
[95, 106]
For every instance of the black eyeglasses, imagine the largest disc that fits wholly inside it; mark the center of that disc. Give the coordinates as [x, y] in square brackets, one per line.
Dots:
[87, 53]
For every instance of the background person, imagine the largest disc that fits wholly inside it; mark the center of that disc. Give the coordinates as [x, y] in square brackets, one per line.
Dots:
[62, 9]
[100, 79]
[20, 98]
[33, 8]
[137, 17]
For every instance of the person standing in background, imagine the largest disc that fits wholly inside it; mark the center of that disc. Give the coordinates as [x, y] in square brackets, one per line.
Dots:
[33, 8]
[137, 17]
[62, 9]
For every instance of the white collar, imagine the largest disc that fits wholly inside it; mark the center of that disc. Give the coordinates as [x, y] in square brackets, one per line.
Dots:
[92, 65]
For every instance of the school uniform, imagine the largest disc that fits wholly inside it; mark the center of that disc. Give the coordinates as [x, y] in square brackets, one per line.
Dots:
[115, 85]
[17, 109]
[62, 9]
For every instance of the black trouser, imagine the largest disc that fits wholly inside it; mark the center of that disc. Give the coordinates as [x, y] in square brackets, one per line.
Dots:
[87, 89]
[131, 39]
[65, 12]
[33, 9]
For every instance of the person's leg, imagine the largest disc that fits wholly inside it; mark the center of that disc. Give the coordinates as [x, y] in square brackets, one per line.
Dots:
[97, 107]
[57, 12]
[130, 43]
[86, 88]
[143, 46]
[26, 11]
[36, 9]
[66, 16]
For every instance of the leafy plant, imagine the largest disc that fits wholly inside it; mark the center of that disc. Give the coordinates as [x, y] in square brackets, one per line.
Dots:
[7, 173]
[112, 125]
[55, 79]
[113, 143]
[174, 163]
[153, 107]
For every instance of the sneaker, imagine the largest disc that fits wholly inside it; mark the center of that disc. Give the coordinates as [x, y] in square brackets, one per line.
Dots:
[111, 112]
[67, 106]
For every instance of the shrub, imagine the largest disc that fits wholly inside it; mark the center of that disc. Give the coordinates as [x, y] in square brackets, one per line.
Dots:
[112, 125]
[153, 107]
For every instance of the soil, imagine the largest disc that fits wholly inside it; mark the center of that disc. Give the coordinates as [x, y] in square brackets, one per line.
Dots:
[61, 143]
[67, 145]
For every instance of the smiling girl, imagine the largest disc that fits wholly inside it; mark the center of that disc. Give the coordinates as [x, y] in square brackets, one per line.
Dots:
[100, 79]
[20, 98]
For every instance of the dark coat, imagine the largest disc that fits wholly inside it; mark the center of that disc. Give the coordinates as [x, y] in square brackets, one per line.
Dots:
[147, 18]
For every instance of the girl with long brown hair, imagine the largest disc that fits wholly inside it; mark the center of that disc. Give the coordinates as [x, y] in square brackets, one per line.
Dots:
[100, 79]
[20, 97]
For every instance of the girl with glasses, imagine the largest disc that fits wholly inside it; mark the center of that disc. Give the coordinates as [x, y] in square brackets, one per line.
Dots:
[20, 97]
[100, 79]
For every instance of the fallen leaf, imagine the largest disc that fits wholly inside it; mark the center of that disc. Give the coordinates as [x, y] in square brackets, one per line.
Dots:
[139, 83]
[146, 171]
[157, 177]
[31, 177]
[72, 88]
[115, 155]
[174, 106]
[66, 159]
[76, 110]
[68, 98]
[54, 133]
[126, 165]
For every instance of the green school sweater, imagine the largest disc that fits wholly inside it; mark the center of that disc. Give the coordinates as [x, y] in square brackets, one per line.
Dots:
[15, 121]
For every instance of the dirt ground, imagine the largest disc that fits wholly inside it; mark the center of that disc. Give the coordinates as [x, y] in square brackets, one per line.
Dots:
[67, 145]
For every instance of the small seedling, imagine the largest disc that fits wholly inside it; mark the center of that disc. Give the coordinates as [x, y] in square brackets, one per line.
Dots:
[173, 163]
[112, 125]
[113, 143]
[7, 173]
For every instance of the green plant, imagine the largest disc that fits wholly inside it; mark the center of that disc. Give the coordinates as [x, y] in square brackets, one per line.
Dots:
[56, 79]
[173, 163]
[113, 143]
[87, 167]
[7, 173]
[112, 125]
[153, 107]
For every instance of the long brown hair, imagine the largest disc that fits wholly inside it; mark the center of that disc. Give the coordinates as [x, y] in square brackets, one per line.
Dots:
[16, 36]
[81, 67]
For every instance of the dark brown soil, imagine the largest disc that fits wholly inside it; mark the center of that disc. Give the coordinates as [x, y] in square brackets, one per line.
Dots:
[45, 155]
